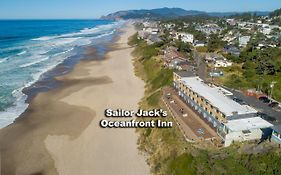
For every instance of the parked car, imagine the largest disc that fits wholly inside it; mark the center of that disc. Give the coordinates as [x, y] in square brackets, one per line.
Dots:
[273, 104]
[264, 99]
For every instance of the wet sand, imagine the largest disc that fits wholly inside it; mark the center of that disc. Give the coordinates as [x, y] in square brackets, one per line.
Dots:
[60, 133]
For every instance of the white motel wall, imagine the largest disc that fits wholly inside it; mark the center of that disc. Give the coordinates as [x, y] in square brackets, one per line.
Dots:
[233, 121]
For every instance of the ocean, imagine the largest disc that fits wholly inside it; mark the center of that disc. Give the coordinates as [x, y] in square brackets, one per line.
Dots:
[29, 49]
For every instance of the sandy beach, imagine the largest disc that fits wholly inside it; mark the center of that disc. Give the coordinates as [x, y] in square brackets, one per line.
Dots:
[60, 132]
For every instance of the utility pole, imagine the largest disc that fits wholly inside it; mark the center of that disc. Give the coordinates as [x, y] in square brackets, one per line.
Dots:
[272, 86]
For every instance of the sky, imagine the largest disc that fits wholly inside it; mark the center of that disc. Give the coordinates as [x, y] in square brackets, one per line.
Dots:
[88, 9]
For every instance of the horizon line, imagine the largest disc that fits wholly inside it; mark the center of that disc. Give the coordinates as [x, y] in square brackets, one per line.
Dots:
[234, 11]
[99, 18]
[50, 19]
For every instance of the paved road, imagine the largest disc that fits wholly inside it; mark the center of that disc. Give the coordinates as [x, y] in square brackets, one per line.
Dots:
[201, 65]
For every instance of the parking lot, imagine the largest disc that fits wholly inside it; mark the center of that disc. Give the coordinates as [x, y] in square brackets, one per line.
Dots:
[192, 125]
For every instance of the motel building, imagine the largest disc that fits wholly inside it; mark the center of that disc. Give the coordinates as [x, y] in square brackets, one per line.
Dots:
[233, 121]
[276, 134]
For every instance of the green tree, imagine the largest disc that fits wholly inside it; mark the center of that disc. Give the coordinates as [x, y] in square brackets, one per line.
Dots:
[249, 69]
[183, 47]
[214, 43]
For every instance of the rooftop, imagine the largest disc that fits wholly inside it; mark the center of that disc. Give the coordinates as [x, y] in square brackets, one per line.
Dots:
[217, 97]
[247, 124]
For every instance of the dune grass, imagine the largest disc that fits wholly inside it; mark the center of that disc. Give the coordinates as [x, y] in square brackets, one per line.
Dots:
[169, 154]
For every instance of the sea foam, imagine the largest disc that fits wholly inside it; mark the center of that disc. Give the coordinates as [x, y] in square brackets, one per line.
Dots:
[38, 56]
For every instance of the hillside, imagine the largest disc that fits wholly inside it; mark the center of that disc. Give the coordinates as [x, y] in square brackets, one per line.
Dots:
[275, 13]
[167, 13]
[154, 13]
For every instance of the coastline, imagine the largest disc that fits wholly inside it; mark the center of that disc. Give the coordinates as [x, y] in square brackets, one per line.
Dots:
[60, 134]
[57, 55]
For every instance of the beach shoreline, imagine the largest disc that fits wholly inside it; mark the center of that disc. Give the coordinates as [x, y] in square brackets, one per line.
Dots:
[45, 52]
[60, 134]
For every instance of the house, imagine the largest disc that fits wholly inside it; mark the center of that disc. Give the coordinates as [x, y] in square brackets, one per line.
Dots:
[213, 57]
[149, 34]
[169, 54]
[148, 24]
[222, 63]
[153, 38]
[142, 34]
[231, 50]
[199, 44]
[266, 30]
[209, 29]
[216, 74]
[152, 31]
[175, 63]
[243, 40]
[231, 22]
[183, 66]
[184, 37]
[242, 24]
[229, 39]
[145, 32]
[169, 26]
[232, 120]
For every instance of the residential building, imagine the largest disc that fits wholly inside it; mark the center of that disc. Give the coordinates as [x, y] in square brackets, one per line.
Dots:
[212, 58]
[222, 63]
[142, 34]
[170, 54]
[150, 35]
[231, 22]
[199, 44]
[216, 74]
[276, 134]
[231, 50]
[184, 37]
[243, 40]
[175, 62]
[245, 129]
[233, 121]
[209, 29]
[153, 38]
[266, 30]
[153, 31]
[169, 26]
